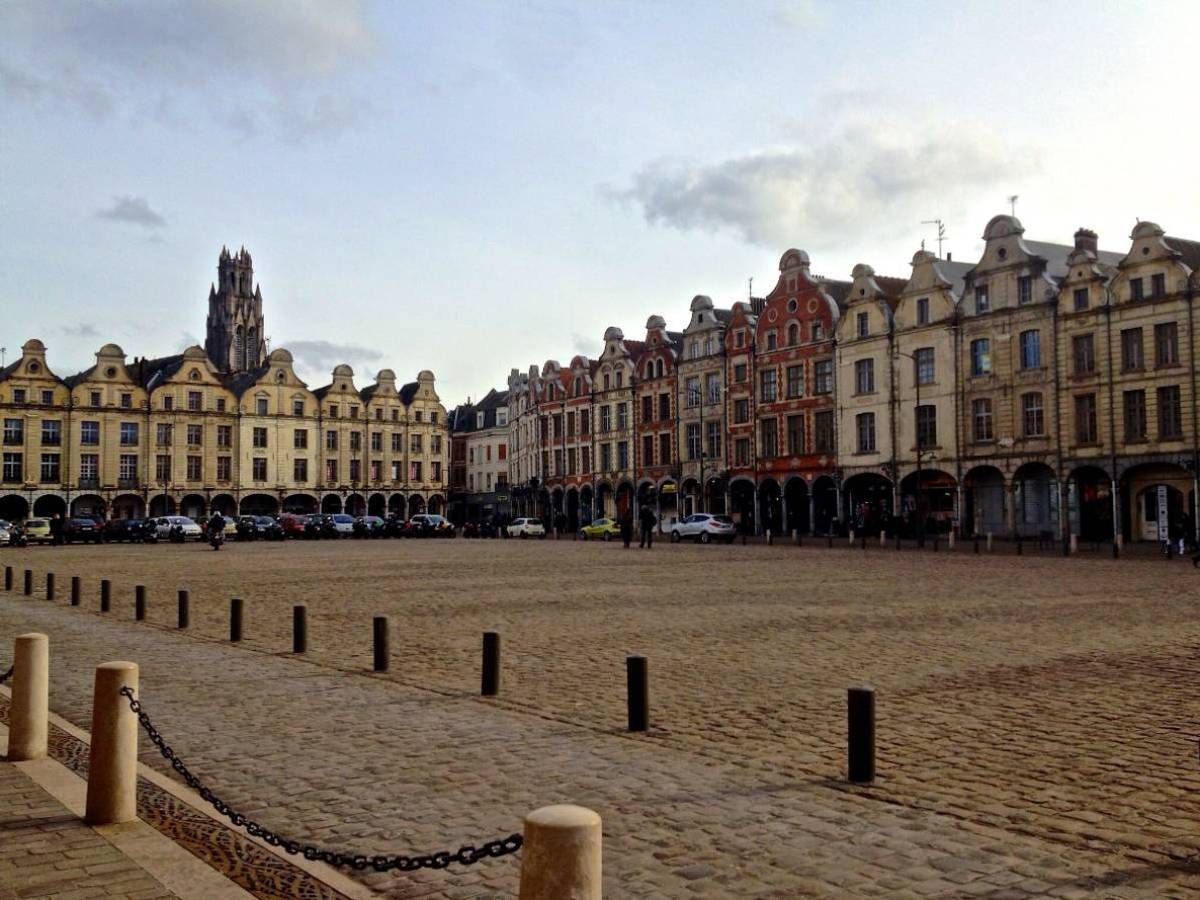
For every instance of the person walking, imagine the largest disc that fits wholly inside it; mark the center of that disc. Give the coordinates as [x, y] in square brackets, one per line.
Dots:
[627, 528]
[56, 531]
[648, 522]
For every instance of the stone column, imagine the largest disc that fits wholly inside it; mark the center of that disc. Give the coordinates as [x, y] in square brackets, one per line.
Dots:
[561, 855]
[112, 773]
[29, 712]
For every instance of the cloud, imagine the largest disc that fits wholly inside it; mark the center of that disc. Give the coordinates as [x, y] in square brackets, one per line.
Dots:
[878, 176]
[82, 330]
[582, 344]
[134, 210]
[187, 339]
[319, 357]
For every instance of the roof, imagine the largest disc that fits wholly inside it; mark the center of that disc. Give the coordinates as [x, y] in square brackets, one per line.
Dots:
[7, 371]
[838, 290]
[368, 392]
[1188, 250]
[955, 273]
[241, 382]
[152, 372]
[1056, 256]
[408, 391]
[723, 315]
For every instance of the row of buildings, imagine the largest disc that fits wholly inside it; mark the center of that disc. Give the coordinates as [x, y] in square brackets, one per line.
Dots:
[1044, 389]
[226, 427]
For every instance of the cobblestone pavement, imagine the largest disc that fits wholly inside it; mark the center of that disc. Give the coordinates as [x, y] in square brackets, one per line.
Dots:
[46, 851]
[1037, 730]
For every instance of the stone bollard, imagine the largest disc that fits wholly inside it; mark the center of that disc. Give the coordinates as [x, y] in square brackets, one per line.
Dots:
[28, 582]
[989, 542]
[381, 651]
[860, 720]
[75, 590]
[882, 538]
[299, 628]
[105, 595]
[1074, 544]
[561, 856]
[638, 689]
[8, 578]
[49, 585]
[139, 603]
[770, 538]
[29, 710]
[184, 610]
[950, 540]
[851, 541]
[489, 683]
[235, 619]
[112, 766]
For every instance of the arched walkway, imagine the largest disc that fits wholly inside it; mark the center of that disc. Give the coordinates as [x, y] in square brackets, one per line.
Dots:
[715, 501]
[572, 510]
[825, 505]
[586, 505]
[260, 505]
[603, 500]
[795, 495]
[89, 506]
[356, 505]
[741, 501]
[927, 498]
[14, 508]
[668, 503]
[128, 506]
[331, 504]
[691, 497]
[624, 500]
[983, 498]
[192, 506]
[416, 505]
[49, 505]
[1035, 499]
[1157, 501]
[868, 499]
[376, 505]
[224, 504]
[435, 505]
[396, 505]
[1089, 504]
[300, 504]
[162, 505]
[770, 505]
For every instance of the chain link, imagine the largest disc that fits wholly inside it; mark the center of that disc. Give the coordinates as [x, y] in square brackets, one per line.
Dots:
[465, 855]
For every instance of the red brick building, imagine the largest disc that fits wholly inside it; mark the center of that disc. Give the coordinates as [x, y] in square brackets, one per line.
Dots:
[655, 413]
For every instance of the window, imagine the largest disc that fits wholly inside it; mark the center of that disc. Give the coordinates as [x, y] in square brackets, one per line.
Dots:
[823, 431]
[927, 426]
[435, 473]
[95, 398]
[647, 412]
[768, 443]
[127, 470]
[168, 402]
[981, 420]
[923, 365]
[622, 417]
[664, 449]
[585, 460]
[18, 395]
[129, 434]
[1135, 416]
[435, 443]
[712, 440]
[864, 324]
[864, 376]
[1081, 299]
[712, 388]
[195, 435]
[12, 467]
[300, 439]
[297, 407]
[795, 381]
[333, 410]
[981, 299]
[771, 342]
[260, 437]
[1085, 419]
[224, 435]
[52, 433]
[260, 406]
[1132, 359]
[414, 443]
[397, 442]
[194, 400]
[585, 421]
[377, 441]
[606, 457]
[258, 468]
[126, 401]
[1170, 417]
[739, 339]
[501, 418]
[89, 467]
[620, 373]
[793, 334]
[354, 412]
[740, 373]
[1166, 344]
[817, 331]
[865, 424]
[356, 441]
[1032, 419]
[795, 435]
[1135, 289]
[355, 470]
[331, 440]
[300, 470]
[767, 381]
[664, 406]
[1158, 285]
[623, 455]
[331, 471]
[693, 441]
[1024, 289]
[647, 451]
[981, 357]
[692, 391]
[162, 467]
[741, 411]
[195, 468]
[48, 398]
[220, 404]
[396, 471]
[1083, 351]
[606, 418]
[163, 433]
[14, 431]
[741, 452]
[823, 376]
[923, 311]
[1031, 349]
[50, 468]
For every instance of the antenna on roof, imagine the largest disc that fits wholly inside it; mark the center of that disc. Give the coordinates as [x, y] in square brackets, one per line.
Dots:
[941, 233]
[750, 289]
[3, 351]
[1012, 203]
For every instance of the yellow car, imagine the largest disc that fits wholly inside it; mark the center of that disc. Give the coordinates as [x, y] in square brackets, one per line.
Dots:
[38, 531]
[605, 529]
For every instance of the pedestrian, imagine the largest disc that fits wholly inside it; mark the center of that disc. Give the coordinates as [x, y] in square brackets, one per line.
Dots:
[627, 528]
[56, 531]
[648, 521]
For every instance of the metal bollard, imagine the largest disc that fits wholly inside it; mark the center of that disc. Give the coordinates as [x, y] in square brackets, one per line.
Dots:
[184, 611]
[860, 720]
[105, 595]
[561, 854]
[950, 540]
[490, 680]
[380, 634]
[235, 619]
[139, 603]
[49, 585]
[29, 709]
[75, 590]
[1019, 547]
[8, 578]
[770, 538]
[28, 582]
[882, 538]
[989, 542]
[299, 628]
[638, 689]
[851, 541]
[898, 547]
[112, 763]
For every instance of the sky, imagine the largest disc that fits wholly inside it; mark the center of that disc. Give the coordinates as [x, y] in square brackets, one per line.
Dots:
[470, 187]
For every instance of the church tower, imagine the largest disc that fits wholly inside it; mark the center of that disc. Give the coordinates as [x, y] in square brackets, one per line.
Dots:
[235, 340]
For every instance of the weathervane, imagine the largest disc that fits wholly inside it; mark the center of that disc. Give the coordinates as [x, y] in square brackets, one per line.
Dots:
[941, 233]
[1012, 204]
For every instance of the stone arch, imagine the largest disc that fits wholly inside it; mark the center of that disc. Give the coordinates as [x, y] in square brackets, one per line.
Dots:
[436, 505]
[1035, 500]
[225, 504]
[395, 505]
[416, 505]
[868, 502]
[162, 505]
[331, 504]
[587, 501]
[1089, 504]
[572, 506]
[1140, 513]
[50, 504]
[356, 505]
[376, 505]
[927, 500]
[128, 506]
[825, 505]
[984, 502]
[300, 504]
[260, 505]
[193, 506]
[742, 492]
[795, 495]
[691, 497]
[14, 508]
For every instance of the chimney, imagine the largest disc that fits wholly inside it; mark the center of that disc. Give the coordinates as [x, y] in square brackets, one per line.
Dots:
[1085, 239]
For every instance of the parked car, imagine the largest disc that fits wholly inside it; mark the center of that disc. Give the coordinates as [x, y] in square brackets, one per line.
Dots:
[394, 525]
[6, 530]
[82, 531]
[600, 529]
[314, 527]
[122, 530]
[339, 525]
[293, 525]
[37, 531]
[704, 527]
[369, 527]
[268, 528]
[524, 528]
[164, 524]
[426, 525]
[11, 534]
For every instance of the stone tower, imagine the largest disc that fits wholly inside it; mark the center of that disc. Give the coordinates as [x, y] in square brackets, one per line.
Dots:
[235, 340]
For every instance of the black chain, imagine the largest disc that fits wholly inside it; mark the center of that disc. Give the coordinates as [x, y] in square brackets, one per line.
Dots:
[466, 855]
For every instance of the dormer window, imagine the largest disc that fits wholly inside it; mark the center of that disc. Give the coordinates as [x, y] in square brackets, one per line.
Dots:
[95, 398]
[333, 411]
[771, 340]
[260, 406]
[923, 311]
[1024, 290]
[981, 299]
[478, 420]
[864, 324]
[816, 331]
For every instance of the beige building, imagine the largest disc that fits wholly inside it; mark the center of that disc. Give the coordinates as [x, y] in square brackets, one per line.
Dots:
[701, 402]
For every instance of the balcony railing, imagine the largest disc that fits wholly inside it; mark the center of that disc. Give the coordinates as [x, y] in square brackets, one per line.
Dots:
[89, 483]
[128, 483]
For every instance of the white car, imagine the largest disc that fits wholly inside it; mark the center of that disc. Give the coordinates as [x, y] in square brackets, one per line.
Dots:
[704, 527]
[164, 524]
[342, 524]
[524, 528]
[5, 531]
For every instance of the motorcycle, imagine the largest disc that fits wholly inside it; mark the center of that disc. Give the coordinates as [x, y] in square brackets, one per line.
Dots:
[216, 538]
[176, 536]
[16, 537]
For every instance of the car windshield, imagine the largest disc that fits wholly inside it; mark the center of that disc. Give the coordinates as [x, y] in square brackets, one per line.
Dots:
[265, 520]
[343, 519]
[87, 522]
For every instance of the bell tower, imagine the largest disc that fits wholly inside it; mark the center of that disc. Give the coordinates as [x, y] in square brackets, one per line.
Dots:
[235, 341]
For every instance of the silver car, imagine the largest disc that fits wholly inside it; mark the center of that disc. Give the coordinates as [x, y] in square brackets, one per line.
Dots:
[704, 527]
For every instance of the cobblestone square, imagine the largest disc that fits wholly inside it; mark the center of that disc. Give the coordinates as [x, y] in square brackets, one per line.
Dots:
[1037, 724]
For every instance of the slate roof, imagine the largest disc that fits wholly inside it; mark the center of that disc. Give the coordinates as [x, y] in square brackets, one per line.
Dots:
[152, 372]
[241, 382]
[1188, 250]
[408, 391]
[1056, 256]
